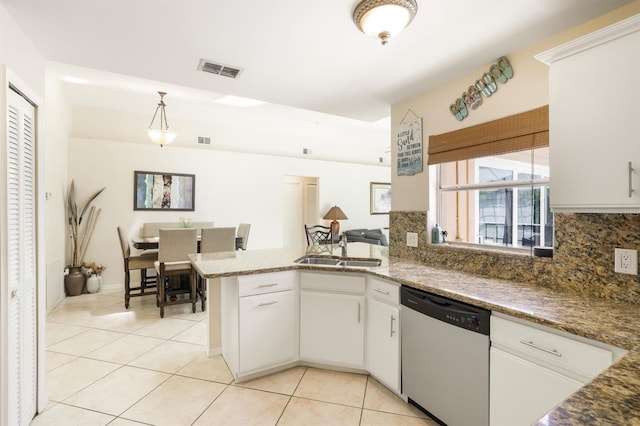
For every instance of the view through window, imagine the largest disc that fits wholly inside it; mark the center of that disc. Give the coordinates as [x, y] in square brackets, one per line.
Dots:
[501, 200]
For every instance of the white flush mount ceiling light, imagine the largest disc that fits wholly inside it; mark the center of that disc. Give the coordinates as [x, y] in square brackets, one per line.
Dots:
[162, 136]
[384, 19]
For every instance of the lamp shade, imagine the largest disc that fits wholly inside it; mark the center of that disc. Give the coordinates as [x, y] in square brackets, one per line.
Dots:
[384, 19]
[161, 137]
[335, 213]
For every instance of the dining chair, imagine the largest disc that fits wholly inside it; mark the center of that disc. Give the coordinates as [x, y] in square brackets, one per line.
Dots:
[243, 232]
[217, 239]
[174, 247]
[214, 240]
[318, 234]
[132, 263]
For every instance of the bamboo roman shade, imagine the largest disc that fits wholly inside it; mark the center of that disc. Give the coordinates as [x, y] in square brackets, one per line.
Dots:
[517, 132]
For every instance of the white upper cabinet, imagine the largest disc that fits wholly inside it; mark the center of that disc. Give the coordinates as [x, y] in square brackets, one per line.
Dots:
[594, 125]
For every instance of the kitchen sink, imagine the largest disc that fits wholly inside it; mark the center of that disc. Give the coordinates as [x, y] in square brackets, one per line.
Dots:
[312, 260]
[334, 261]
[365, 263]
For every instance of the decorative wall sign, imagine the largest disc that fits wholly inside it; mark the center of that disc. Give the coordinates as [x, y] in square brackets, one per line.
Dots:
[409, 145]
[163, 191]
[486, 85]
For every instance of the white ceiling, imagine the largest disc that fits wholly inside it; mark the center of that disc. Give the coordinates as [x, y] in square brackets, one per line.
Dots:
[305, 54]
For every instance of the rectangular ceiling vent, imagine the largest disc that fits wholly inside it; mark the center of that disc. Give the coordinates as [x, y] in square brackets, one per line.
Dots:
[219, 69]
[204, 140]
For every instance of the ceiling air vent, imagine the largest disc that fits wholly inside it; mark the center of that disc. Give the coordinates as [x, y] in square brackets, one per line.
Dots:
[219, 69]
[204, 140]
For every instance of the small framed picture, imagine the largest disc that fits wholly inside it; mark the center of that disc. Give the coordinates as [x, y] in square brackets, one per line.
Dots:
[163, 191]
[380, 197]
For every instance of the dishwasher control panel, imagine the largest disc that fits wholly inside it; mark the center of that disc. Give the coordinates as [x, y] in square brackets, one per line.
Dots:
[448, 310]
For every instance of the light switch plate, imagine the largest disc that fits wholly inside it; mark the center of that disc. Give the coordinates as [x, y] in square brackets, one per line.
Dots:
[412, 239]
[626, 261]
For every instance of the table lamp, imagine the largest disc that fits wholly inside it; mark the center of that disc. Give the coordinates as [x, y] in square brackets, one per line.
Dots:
[334, 214]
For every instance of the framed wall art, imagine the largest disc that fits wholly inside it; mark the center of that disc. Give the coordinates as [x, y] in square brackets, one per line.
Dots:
[163, 191]
[380, 197]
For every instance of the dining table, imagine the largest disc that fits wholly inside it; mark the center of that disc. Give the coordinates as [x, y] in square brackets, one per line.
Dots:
[151, 243]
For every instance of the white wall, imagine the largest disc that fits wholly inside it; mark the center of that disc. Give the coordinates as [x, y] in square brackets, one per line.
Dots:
[230, 188]
[527, 90]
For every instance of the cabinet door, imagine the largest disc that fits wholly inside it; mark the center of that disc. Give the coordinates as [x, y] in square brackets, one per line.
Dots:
[383, 343]
[594, 129]
[332, 328]
[522, 392]
[268, 331]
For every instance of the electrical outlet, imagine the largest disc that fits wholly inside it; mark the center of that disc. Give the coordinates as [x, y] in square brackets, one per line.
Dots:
[626, 261]
[412, 239]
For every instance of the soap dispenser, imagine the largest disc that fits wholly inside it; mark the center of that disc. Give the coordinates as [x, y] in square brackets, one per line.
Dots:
[436, 234]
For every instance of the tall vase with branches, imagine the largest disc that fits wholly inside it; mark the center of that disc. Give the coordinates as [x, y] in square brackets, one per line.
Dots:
[81, 224]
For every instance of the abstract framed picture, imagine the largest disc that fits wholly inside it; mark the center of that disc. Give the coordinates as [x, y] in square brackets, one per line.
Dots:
[163, 191]
[380, 197]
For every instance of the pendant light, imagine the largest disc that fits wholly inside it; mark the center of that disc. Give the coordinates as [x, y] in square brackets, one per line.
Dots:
[162, 136]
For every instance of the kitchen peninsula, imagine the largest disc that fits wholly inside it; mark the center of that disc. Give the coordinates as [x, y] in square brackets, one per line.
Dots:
[611, 398]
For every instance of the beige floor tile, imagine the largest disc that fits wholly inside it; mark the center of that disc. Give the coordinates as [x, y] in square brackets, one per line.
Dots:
[125, 349]
[208, 368]
[304, 412]
[55, 360]
[168, 357]
[116, 392]
[125, 422]
[284, 382]
[239, 406]
[69, 315]
[66, 415]
[164, 328]
[196, 334]
[123, 322]
[377, 418]
[178, 401]
[333, 386]
[380, 398]
[57, 332]
[189, 316]
[85, 342]
[69, 378]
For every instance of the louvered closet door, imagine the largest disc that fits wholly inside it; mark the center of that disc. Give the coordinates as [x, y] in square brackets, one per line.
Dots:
[21, 255]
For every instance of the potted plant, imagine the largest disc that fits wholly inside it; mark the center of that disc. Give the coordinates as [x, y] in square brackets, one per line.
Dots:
[81, 223]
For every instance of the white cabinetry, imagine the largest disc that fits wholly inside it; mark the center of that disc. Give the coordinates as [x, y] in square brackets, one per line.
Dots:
[383, 332]
[533, 368]
[594, 131]
[259, 322]
[332, 316]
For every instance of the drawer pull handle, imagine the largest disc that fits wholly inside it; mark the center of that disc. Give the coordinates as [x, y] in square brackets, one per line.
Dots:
[273, 302]
[358, 312]
[540, 348]
[381, 291]
[267, 285]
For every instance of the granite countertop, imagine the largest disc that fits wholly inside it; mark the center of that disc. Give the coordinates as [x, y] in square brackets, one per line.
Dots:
[612, 398]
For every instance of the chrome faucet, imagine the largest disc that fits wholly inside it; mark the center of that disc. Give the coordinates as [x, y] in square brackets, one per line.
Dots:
[343, 244]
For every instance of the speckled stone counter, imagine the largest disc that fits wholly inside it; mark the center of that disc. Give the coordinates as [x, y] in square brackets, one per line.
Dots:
[613, 398]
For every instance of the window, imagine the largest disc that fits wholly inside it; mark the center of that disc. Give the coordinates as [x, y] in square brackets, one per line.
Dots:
[493, 181]
[500, 200]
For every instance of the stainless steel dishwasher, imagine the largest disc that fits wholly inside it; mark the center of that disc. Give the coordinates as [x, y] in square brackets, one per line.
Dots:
[445, 357]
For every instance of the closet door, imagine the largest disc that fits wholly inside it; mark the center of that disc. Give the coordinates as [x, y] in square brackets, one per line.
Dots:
[21, 259]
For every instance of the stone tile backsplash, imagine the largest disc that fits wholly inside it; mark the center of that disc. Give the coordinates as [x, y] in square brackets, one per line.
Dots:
[583, 254]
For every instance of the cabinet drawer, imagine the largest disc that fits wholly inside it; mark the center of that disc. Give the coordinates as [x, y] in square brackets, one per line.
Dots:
[384, 291]
[344, 283]
[553, 349]
[265, 283]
